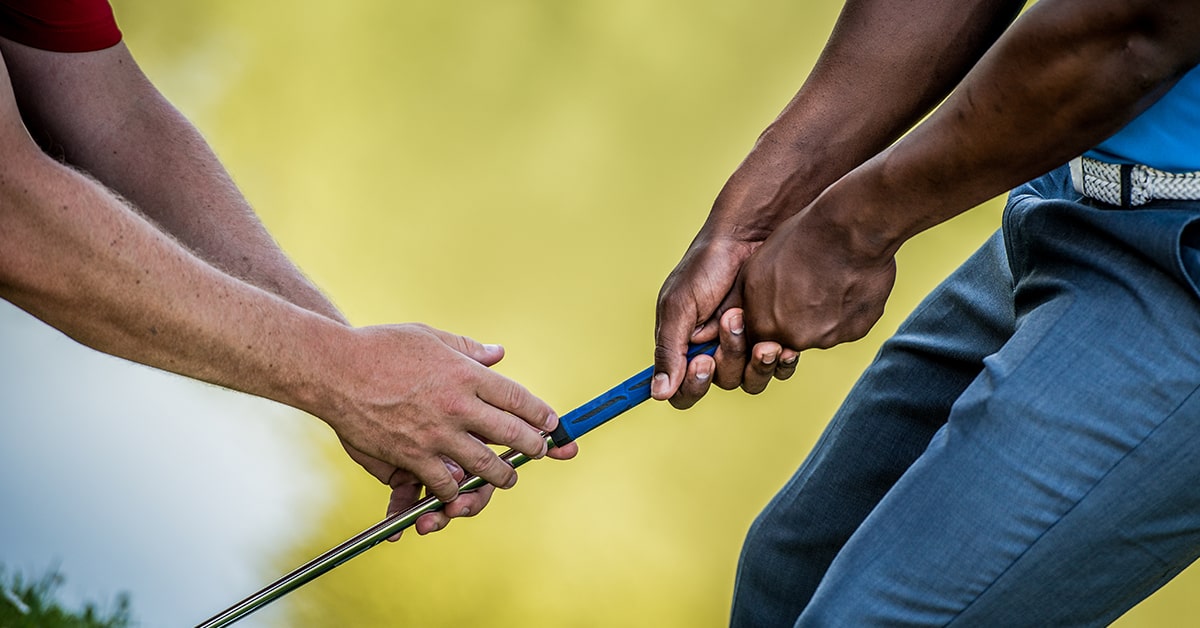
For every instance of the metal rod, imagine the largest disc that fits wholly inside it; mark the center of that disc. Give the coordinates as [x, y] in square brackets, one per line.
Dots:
[352, 547]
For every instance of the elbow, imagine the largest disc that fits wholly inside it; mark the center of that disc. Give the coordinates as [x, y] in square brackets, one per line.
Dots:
[24, 221]
[1159, 41]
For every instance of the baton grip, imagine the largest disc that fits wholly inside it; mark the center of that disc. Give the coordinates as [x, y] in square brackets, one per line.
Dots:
[616, 400]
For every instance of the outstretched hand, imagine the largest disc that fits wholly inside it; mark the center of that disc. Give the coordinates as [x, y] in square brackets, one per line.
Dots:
[421, 409]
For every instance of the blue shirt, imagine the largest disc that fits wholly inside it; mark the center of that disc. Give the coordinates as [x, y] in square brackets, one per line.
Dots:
[1166, 136]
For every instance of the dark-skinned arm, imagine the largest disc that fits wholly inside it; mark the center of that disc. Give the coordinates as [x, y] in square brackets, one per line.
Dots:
[1067, 75]
[885, 65]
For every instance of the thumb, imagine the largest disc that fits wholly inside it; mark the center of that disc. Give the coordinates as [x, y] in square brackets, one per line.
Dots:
[671, 335]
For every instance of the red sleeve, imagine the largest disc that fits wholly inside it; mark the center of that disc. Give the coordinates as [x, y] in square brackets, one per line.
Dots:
[60, 25]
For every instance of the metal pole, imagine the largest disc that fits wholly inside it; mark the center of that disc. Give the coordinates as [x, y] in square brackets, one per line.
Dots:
[356, 545]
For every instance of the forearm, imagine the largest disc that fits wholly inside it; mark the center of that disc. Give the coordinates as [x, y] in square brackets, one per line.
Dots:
[1066, 76]
[104, 116]
[77, 258]
[174, 177]
[885, 65]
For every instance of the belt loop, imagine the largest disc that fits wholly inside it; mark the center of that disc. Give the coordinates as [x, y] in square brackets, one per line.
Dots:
[1077, 175]
[1126, 184]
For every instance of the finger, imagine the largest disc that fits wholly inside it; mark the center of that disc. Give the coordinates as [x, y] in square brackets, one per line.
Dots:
[706, 331]
[429, 523]
[456, 471]
[695, 383]
[731, 354]
[761, 367]
[478, 459]
[437, 478]
[566, 452]
[470, 504]
[405, 492]
[788, 359]
[511, 397]
[381, 470]
[486, 355]
[501, 428]
[467, 505]
[672, 330]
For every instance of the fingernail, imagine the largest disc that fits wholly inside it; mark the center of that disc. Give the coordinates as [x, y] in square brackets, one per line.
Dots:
[790, 361]
[703, 373]
[492, 348]
[551, 422]
[453, 468]
[660, 382]
[769, 358]
[466, 512]
[736, 325]
[511, 483]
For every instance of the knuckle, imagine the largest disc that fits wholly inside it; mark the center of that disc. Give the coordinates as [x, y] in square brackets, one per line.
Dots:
[727, 383]
[511, 432]
[459, 406]
[514, 395]
[443, 486]
[483, 460]
[753, 388]
[680, 402]
[507, 476]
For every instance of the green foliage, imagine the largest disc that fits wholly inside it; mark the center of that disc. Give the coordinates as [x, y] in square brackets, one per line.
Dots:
[32, 604]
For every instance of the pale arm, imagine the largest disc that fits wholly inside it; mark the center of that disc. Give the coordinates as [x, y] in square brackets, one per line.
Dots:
[101, 114]
[75, 256]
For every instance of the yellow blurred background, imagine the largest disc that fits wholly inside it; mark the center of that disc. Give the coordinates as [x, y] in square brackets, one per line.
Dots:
[527, 173]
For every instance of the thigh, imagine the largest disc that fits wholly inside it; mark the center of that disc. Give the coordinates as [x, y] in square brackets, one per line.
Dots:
[884, 424]
[1064, 486]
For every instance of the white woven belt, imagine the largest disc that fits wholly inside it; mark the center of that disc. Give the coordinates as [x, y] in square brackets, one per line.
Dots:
[1130, 186]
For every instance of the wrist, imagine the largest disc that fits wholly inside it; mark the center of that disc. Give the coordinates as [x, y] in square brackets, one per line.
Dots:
[859, 213]
[323, 347]
[790, 165]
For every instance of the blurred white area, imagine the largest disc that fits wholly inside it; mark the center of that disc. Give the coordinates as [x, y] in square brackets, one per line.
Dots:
[130, 479]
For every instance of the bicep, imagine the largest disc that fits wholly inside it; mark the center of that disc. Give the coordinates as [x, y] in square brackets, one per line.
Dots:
[74, 101]
[15, 141]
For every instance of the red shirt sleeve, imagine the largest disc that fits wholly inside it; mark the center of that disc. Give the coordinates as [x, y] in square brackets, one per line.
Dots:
[60, 25]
